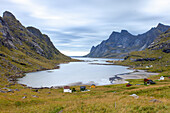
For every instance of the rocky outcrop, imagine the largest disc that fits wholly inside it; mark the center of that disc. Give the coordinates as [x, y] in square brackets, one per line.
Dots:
[15, 36]
[25, 49]
[162, 42]
[121, 43]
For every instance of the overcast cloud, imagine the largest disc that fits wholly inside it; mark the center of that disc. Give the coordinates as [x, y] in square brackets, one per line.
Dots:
[76, 25]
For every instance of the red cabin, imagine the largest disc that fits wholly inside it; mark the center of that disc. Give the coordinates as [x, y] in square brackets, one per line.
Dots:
[145, 79]
[128, 85]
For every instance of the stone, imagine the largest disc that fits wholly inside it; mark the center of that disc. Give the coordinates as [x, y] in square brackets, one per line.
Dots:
[1, 91]
[35, 96]
[24, 97]
[135, 96]
[17, 90]
[155, 100]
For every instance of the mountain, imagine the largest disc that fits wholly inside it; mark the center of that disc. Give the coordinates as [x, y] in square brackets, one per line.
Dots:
[121, 43]
[155, 58]
[25, 49]
[161, 43]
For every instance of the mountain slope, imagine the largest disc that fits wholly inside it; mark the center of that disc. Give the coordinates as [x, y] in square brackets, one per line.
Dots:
[120, 44]
[25, 49]
[155, 58]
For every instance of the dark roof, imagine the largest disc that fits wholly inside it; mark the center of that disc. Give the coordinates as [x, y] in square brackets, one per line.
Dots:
[82, 86]
[66, 87]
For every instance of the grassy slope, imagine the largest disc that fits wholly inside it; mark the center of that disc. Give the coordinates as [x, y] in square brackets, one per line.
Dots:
[99, 100]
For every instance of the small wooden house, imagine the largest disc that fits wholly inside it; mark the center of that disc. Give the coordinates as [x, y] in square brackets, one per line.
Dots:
[93, 86]
[128, 85]
[67, 89]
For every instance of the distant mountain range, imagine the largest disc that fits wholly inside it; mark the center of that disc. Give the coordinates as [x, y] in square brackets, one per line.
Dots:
[23, 49]
[120, 44]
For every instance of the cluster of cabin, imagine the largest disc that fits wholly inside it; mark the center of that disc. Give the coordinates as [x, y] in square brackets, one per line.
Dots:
[67, 89]
[83, 88]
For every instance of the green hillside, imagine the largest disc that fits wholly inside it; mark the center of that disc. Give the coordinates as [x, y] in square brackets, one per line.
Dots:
[25, 49]
[155, 58]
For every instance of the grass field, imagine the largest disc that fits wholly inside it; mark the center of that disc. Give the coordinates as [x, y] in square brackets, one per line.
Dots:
[102, 99]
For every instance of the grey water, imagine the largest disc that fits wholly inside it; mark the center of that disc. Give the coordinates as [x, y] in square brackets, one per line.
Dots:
[86, 72]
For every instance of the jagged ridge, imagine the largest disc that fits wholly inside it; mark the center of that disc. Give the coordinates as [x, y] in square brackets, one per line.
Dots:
[120, 44]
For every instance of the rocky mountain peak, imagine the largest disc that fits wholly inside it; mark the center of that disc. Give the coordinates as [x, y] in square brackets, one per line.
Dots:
[35, 31]
[121, 43]
[30, 41]
[124, 32]
[8, 14]
[162, 27]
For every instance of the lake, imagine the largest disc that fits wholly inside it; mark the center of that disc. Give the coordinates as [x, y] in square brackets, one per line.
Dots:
[87, 72]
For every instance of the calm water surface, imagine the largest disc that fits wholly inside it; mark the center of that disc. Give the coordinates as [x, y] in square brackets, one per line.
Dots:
[85, 72]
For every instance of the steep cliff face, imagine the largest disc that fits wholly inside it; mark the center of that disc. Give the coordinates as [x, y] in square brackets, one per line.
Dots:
[155, 58]
[161, 43]
[120, 44]
[27, 46]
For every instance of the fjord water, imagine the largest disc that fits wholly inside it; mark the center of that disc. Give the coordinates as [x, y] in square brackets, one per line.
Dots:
[75, 72]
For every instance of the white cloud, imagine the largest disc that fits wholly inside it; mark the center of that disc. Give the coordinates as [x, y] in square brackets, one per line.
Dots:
[75, 25]
[75, 53]
[157, 7]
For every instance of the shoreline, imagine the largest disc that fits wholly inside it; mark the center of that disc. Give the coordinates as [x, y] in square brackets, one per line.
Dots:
[139, 74]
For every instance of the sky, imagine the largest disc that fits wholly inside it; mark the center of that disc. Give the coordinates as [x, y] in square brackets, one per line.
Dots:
[74, 26]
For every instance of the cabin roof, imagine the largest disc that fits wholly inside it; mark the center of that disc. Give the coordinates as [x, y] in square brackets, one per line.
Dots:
[66, 87]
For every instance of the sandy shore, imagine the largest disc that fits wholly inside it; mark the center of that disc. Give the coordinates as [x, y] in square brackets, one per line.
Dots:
[140, 74]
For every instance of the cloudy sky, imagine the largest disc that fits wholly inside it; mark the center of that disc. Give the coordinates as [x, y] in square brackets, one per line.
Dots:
[76, 25]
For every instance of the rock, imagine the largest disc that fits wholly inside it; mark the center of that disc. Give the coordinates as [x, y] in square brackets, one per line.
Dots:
[115, 78]
[35, 90]
[5, 88]
[145, 59]
[17, 90]
[166, 50]
[10, 90]
[24, 97]
[2, 55]
[1, 91]
[10, 85]
[155, 100]
[8, 14]
[135, 96]
[35, 96]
